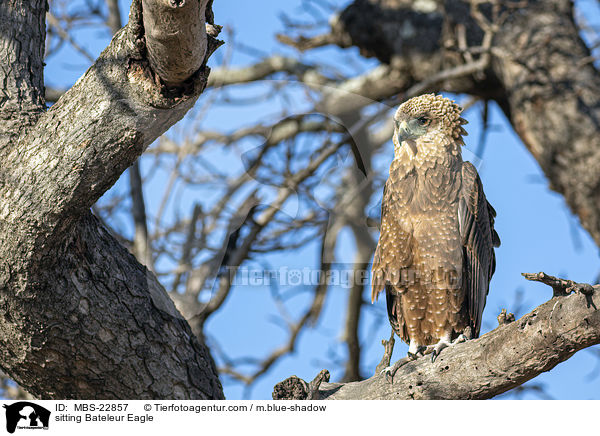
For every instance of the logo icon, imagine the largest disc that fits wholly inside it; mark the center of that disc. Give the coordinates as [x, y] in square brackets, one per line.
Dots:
[26, 415]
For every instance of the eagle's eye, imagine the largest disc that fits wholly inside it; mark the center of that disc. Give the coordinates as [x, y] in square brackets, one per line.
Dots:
[423, 121]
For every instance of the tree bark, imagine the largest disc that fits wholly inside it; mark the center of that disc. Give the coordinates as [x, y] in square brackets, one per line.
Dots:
[80, 317]
[175, 37]
[495, 363]
[540, 73]
[21, 55]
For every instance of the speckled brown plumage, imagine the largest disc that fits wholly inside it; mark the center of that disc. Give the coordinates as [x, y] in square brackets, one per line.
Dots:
[435, 255]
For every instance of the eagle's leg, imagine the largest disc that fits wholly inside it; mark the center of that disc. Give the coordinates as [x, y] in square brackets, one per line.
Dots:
[415, 350]
[444, 342]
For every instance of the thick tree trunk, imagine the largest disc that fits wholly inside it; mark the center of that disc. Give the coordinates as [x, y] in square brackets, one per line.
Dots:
[540, 73]
[79, 317]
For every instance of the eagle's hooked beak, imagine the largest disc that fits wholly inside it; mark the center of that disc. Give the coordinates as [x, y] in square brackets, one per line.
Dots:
[405, 135]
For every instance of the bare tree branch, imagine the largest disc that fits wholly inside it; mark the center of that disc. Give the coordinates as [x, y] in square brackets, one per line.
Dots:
[303, 43]
[263, 69]
[114, 21]
[142, 248]
[175, 38]
[53, 21]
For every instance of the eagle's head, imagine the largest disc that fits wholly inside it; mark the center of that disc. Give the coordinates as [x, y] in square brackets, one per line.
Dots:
[428, 118]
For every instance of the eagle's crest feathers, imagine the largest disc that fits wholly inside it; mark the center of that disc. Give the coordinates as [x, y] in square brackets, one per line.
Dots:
[437, 108]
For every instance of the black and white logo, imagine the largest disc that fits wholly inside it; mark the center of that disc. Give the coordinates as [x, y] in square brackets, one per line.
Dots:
[26, 415]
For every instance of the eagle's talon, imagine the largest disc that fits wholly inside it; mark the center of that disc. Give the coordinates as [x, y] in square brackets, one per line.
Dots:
[389, 374]
[390, 371]
[445, 343]
[415, 351]
[437, 349]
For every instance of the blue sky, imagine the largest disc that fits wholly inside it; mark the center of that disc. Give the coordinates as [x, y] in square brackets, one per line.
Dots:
[537, 230]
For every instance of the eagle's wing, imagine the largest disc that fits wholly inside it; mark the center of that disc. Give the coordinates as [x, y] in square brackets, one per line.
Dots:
[476, 226]
[393, 252]
[380, 265]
